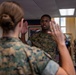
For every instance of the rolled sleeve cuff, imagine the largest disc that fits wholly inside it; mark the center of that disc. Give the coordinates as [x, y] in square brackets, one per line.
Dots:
[51, 68]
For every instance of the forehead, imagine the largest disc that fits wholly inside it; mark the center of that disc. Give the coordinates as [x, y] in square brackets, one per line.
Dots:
[45, 18]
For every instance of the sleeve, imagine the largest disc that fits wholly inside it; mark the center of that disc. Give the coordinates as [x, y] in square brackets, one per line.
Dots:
[51, 68]
[29, 42]
[44, 63]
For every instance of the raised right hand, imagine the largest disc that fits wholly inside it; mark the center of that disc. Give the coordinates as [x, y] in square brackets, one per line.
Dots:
[56, 33]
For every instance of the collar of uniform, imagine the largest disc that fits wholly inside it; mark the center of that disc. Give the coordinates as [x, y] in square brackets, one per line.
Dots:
[10, 39]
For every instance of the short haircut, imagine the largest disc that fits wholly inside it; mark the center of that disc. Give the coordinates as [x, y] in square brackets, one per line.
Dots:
[46, 15]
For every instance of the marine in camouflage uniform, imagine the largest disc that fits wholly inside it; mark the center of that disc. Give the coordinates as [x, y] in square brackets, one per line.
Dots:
[45, 42]
[17, 58]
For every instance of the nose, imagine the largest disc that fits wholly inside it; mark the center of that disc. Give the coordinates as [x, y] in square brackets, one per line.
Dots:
[44, 23]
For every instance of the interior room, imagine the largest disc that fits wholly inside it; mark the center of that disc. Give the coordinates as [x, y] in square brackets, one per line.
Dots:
[59, 12]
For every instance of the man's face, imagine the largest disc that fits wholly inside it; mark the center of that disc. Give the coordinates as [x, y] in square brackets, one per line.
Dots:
[45, 23]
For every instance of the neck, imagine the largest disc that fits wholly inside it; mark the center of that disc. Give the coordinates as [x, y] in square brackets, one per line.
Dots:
[45, 31]
[10, 34]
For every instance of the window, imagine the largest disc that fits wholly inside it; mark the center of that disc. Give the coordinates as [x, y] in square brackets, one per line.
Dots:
[62, 22]
[63, 29]
[56, 20]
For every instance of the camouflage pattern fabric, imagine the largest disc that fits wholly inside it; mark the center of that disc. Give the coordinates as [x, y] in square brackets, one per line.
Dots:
[45, 42]
[17, 58]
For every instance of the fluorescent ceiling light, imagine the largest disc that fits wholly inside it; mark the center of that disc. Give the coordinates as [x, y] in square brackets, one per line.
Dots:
[67, 12]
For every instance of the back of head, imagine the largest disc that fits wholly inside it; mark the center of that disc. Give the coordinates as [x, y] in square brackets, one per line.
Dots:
[46, 15]
[10, 14]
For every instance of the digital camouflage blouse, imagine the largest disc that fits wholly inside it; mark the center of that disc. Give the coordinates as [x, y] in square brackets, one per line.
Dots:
[17, 58]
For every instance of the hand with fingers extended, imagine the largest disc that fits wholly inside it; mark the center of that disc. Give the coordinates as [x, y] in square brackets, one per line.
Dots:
[24, 31]
[56, 33]
[65, 69]
[25, 27]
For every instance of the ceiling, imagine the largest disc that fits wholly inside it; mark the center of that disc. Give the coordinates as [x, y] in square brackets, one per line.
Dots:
[34, 9]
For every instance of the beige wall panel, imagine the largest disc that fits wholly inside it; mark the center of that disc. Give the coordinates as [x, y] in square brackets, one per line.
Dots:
[70, 26]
